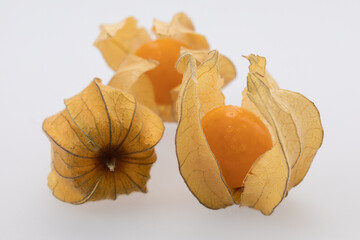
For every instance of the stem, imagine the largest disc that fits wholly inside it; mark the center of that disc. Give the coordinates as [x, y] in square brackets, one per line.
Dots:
[111, 164]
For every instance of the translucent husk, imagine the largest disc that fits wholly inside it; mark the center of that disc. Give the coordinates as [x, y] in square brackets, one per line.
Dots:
[102, 145]
[293, 122]
[118, 43]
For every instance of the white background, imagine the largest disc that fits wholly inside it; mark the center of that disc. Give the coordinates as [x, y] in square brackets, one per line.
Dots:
[47, 55]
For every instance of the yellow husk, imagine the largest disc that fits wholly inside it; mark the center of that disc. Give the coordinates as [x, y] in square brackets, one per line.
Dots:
[293, 122]
[118, 43]
[102, 145]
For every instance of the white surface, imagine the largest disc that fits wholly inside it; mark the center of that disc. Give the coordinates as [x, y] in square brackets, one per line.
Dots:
[46, 55]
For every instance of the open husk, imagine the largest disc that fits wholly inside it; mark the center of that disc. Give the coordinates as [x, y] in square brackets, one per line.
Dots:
[292, 120]
[118, 43]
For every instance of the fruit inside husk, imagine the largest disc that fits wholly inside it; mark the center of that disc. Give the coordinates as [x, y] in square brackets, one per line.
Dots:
[164, 77]
[237, 137]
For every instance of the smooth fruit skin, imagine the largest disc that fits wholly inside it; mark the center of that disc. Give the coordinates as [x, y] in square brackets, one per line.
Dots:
[237, 137]
[164, 77]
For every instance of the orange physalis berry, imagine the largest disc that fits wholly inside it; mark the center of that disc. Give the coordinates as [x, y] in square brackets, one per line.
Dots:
[237, 137]
[164, 77]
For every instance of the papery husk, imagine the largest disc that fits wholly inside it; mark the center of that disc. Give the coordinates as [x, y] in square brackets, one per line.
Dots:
[181, 29]
[98, 123]
[131, 77]
[115, 43]
[226, 68]
[197, 164]
[293, 122]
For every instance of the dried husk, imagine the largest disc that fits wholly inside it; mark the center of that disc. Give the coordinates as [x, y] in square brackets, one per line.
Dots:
[118, 42]
[293, 122]
[181, 29]
[102, 145]
[197, 164]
